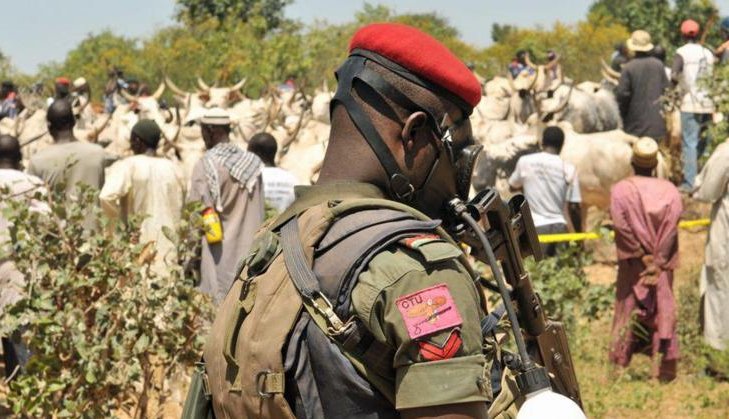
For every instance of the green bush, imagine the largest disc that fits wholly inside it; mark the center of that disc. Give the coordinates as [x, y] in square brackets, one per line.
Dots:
[103, 329]
[563, 287]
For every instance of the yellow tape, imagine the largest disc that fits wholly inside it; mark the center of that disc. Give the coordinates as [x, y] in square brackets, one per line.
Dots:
[694, 223]
[576, 237]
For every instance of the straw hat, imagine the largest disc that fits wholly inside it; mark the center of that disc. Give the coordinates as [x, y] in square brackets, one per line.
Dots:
[645, 153]
[79, 82]
[640, 41]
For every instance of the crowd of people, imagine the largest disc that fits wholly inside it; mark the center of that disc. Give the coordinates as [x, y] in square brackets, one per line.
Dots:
[236, 186]
[645, 210]
[233, 183]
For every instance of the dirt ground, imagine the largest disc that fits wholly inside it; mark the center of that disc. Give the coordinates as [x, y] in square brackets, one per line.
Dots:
[631, 393]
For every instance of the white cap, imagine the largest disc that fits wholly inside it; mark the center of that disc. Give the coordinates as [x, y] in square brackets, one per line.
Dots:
[215, 116]
[79, 82]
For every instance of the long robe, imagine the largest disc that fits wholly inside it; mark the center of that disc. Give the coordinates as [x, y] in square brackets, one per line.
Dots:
[645, 213]
[152, 187]
[713, 186]
[241, 215]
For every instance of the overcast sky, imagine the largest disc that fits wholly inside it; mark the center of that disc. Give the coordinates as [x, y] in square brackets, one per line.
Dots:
[37, 31]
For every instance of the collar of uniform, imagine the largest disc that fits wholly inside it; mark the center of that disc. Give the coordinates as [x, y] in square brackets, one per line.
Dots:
[309, 196]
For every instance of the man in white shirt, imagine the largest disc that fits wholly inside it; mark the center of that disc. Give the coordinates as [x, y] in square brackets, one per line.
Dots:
[551, 187]
[693, 63]
[147, 185]
[278, 184]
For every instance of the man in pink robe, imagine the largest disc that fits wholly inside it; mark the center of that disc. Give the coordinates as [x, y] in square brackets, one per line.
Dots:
[645, 212]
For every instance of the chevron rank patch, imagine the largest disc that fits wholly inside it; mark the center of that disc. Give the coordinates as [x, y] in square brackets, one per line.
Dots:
[428, 311]
[433, 352]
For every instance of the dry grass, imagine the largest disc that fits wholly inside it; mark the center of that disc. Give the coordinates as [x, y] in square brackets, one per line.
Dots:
[632, 394]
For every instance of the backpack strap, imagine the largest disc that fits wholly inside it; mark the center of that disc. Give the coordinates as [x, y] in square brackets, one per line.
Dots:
[361, 230]
[306, 283]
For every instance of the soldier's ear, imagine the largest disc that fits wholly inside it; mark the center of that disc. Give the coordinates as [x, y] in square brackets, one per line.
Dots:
[413, 124]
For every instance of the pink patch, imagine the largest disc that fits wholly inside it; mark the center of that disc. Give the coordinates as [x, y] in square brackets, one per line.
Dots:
[428, 311]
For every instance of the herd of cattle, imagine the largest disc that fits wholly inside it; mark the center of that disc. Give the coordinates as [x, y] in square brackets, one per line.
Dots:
[507, 121]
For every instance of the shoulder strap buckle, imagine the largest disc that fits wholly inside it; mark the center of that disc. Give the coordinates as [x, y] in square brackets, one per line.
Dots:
[335, 325]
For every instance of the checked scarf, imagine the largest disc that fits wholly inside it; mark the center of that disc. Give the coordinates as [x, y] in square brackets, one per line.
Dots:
[243, 166]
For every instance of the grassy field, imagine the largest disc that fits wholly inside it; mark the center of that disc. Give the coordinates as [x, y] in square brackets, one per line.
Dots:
[632, 394]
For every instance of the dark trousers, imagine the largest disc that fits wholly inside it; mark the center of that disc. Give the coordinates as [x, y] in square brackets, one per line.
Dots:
[551, 249]
[15, 354]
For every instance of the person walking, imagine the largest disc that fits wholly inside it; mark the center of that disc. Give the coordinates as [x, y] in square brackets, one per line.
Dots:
[227, 180]
[278, 183]
[399, 335]
[642, 83]
[21, 187]
[68, 163]
[551, 186]
[712, 186]
[645, 212]
[693, 63]
[149, 186]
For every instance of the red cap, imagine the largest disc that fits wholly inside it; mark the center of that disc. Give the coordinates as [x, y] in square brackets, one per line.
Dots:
[422, 55]
[63, 80]
[689, 28]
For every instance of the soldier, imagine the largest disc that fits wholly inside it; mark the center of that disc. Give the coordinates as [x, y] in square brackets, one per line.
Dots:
[385, 320]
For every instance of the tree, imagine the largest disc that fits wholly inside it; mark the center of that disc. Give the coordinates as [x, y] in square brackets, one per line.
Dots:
[6, 67]
[660, 18]
[272, 11]
[580, 47]
[500, 32]
[99, 53]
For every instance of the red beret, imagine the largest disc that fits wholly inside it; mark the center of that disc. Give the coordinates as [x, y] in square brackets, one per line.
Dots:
[422, 55]
[63, 80]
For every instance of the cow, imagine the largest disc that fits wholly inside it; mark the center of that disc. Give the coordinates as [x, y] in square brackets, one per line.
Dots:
[601, 159]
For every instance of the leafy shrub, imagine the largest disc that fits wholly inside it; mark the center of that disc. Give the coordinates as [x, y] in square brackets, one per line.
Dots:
[563, 287]
[103, 328]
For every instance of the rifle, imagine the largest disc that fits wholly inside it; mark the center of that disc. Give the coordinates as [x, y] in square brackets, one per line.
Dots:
[503, 235]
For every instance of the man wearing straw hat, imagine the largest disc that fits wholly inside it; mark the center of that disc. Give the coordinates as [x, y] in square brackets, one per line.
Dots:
[645, 211]
[639, 91]
[227, 180]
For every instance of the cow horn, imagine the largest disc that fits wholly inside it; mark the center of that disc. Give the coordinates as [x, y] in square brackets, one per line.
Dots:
[294, 133]
[128, 96]
[202, 84]
[239, 85]
[174, 87]
[613, 74]
[158, 93]
[540, 70]
[529, 62]
[608, 77]
[510, 78]
[550, 65]
[93, 136]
